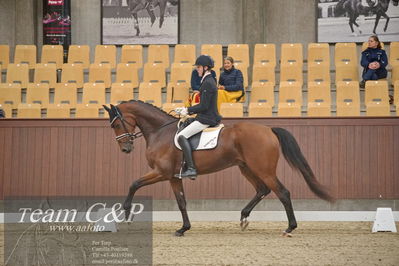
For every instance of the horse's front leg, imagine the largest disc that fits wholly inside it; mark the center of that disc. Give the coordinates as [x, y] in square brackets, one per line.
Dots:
[386, 23]
[148, 179]
[377, 19]
[177, 186]
[136, 23]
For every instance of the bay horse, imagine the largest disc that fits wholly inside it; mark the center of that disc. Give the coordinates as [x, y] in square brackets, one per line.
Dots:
[354, 8]
[135, 6]
[252, 147]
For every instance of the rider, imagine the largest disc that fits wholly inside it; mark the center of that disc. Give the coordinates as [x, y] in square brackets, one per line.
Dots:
[206, 110]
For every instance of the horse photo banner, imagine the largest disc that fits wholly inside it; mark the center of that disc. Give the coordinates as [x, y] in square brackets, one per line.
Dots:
[57, 23]
[140, 22]
[356, 20]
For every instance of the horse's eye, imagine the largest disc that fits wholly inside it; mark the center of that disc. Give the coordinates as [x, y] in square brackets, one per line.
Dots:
[117, 126]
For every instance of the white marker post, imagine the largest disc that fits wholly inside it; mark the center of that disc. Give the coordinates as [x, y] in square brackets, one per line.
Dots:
[384, 221]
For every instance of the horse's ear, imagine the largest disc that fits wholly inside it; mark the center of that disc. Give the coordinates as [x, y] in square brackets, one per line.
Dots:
[107, 108]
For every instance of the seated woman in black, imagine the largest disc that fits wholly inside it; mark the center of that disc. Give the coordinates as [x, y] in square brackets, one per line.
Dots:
[230, 87]
[374, 60]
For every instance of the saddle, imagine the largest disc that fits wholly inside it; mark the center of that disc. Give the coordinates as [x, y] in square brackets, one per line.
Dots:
[205, 140]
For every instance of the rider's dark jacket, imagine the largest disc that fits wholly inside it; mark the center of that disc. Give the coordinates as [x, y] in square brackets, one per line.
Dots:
[375, 55]
[206, 110]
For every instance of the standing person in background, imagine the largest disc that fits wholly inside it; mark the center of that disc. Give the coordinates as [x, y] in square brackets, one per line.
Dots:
[2, 113]
[374, 60]
[231, 88]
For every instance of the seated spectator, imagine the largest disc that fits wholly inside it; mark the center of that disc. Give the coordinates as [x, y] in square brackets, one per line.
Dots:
[231, 87]
[374, 60]
[196, 80]
[2, 113]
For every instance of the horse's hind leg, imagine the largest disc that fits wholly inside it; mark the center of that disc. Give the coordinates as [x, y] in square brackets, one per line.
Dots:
[177, 186]
[377, 19]
[261, 191]
[284, 196]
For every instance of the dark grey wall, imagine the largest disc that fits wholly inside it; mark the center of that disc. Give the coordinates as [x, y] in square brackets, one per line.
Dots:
[201, 21]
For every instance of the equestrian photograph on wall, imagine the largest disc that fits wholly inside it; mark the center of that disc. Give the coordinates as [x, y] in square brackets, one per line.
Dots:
[140, 22]
[354, 20]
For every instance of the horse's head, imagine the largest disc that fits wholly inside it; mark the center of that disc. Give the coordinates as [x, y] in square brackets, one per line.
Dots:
[124, 125]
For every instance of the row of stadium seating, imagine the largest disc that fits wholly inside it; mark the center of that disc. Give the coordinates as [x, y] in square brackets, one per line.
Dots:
[260, 102]
[264, 54]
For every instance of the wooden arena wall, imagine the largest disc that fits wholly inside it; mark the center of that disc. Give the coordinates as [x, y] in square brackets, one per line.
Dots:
[356, 158]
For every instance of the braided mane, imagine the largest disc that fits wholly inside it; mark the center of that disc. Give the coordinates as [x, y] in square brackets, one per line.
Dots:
[149, 105]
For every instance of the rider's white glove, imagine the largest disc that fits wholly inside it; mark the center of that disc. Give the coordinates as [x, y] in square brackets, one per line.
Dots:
[181, 111]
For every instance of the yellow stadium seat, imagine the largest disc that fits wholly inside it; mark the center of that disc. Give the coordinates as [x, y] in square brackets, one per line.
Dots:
[240, 53]
[127, 73]
[168, 107]
[319, 53]
[10, 94]
[58, 111]
[28, 110]
[291, 72]
[319, 99]
[181, 72]
[346, 72]
[132, 55]
[158, 54]
[7, 109]
[262, 92]
[346, 53]
[121, 92]
[259, 109]
[94, 94]
[38, 93]
[396, 93]
[177, 92]
[105, 54]
[348, 98]
[46, 73]
[73, 73]
[292, 53]
[53, 54]
[394, 54]
[79, 54]
[365, 45]
[150, 93]
[25, 54]
[87, 111]
[263, 73]
[265, 54]
[216, 52]
[18, 73]
[100, 73]
[65, 93]
[395, 73]
[185, 53]
[290, 99]
[232, 110]
[155, 73]
[319, 72]
[376, 98]
[4, 56]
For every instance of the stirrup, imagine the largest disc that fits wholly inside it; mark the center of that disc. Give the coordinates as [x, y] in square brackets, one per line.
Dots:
[190, 173]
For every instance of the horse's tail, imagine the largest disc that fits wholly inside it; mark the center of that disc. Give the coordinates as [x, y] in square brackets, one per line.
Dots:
[292, 153]
[339, 8]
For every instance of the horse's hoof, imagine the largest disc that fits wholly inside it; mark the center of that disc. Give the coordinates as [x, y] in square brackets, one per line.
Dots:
[177, 233]
[244, 224]
[285, 234]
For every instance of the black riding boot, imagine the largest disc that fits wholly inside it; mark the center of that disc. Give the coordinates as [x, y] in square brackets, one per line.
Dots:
[190, 171]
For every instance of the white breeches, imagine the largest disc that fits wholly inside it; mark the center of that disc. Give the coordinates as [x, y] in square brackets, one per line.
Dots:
[192, 129]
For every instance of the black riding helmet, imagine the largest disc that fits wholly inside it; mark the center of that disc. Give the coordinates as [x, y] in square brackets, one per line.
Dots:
[205, 60]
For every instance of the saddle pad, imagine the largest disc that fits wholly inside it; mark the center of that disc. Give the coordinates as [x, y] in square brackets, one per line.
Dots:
[204, 140]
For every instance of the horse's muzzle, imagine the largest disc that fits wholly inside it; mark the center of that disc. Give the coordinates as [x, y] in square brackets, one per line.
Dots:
[127, 148]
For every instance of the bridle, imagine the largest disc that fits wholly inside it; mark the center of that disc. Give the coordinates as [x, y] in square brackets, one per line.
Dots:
[131, 136]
